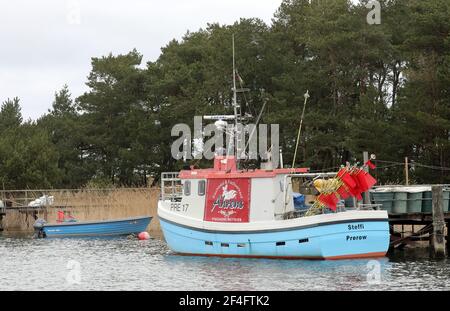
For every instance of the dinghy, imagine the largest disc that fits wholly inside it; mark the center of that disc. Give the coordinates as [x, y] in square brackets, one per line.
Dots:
[72, 228]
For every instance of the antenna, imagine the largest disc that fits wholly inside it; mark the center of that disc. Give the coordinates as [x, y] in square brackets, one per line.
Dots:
[235, 106]
[237, 116]
[300, 127]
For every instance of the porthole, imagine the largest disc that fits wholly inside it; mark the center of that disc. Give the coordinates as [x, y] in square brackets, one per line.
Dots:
[187, 187]
[281, 243]
[201, 187]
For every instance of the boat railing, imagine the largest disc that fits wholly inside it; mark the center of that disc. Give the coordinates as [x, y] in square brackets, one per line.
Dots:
[287, 182]
[171, 187]
[369, 207]
[339, 209]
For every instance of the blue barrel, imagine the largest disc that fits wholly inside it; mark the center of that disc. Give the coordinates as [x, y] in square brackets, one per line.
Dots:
[383, 198]
[400, 205]
[414, 204]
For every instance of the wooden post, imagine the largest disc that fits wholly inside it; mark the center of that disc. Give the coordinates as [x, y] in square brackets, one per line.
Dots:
[366, 199]
[438, 237]
[406, 171]
[448, 236]
[2, 213]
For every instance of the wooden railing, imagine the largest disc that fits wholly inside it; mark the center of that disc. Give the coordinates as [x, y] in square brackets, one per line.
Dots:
[171, 187]
[21, 198]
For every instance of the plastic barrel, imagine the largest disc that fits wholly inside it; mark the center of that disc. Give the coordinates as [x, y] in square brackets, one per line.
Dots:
[446, 200]
[400, 203]
[383, 198]
[427, 202]
[414, 202]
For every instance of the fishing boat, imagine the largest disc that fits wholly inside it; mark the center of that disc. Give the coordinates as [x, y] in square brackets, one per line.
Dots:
[231, 211]
[73, 228]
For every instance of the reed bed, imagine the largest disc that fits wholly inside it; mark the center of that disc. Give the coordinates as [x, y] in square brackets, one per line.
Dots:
[89, 204]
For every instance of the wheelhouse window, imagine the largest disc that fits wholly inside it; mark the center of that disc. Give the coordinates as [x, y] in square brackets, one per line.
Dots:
[201, 187]
[187, 187]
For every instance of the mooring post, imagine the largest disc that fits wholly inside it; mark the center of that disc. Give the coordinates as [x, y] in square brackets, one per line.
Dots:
[2, 213]
[438, 238]
[448, 237]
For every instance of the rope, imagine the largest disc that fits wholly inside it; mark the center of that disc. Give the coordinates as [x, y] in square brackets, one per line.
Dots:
[256, 125]
[442, 168]
[300, 128]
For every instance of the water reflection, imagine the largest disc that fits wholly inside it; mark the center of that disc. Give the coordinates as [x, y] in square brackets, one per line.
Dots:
[128, 264]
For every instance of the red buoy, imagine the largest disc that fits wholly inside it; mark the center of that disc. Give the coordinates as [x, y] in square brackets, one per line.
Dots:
[143, 236]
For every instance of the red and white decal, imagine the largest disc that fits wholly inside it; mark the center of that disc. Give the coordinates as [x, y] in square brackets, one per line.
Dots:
[228, 200]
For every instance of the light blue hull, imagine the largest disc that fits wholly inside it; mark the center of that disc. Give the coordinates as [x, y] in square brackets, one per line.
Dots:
[327, 241]
[97, 228]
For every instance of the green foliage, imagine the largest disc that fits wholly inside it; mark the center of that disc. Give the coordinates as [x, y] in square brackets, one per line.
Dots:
[381, 88]
[10, 114]
[62, 123]
[116, 122]
[28, 159]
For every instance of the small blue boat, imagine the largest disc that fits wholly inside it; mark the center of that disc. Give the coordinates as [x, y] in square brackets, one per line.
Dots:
[117, 227]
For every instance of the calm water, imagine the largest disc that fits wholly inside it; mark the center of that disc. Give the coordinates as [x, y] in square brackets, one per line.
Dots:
[123, 264]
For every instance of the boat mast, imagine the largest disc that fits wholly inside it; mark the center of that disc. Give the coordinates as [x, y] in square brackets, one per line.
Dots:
[234, 132]
[235, 106]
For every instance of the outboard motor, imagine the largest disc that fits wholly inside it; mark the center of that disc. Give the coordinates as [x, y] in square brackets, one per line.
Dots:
[38, 228]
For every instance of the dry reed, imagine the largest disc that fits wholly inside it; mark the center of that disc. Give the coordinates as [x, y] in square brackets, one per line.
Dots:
[92, 204]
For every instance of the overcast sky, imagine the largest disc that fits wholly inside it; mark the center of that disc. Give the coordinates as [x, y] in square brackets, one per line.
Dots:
[48, 43]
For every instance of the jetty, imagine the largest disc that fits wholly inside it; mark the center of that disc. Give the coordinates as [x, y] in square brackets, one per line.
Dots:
[417, 216]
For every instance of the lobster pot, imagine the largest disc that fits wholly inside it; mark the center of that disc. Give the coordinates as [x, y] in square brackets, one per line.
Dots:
[427, 202]
[414, 202]
[400, 203]
[383, 198]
